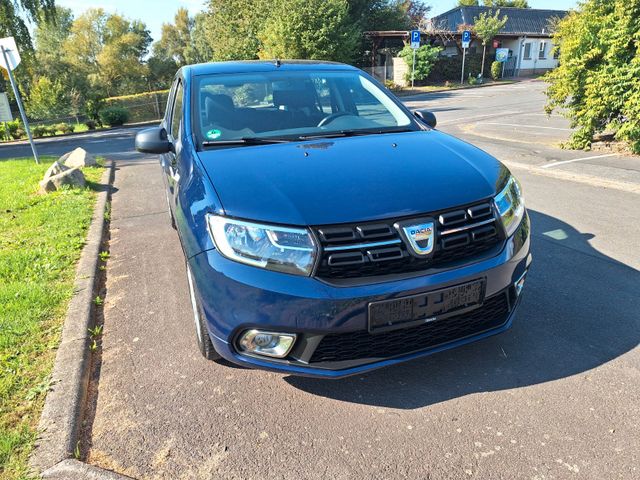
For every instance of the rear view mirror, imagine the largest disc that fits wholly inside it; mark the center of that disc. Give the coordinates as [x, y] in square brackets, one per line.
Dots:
[426, 117]
[153, 140]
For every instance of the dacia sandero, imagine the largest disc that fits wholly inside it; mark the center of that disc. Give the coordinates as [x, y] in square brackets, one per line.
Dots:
[327, 229]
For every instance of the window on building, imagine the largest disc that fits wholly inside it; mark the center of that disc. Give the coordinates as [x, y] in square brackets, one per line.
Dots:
[542, 53]
[527, 51]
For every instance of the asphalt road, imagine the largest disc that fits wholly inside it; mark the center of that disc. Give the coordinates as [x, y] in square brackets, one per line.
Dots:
[557, 396]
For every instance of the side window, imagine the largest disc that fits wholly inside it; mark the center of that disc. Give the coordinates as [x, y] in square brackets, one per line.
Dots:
[176, 114]
[527, 51]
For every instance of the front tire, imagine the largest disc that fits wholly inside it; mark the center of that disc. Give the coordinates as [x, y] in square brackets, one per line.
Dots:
[202, 334]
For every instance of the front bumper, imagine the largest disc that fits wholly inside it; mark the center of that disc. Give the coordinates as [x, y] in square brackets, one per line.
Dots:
[236, 297]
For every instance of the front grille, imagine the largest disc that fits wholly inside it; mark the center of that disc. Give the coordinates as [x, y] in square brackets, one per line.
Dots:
[376, 248]
[493, 313]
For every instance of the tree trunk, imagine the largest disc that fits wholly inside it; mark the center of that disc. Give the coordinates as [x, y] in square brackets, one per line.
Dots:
[484, 51]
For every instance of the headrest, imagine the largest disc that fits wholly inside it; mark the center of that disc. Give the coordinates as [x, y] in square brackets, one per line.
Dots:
[219, 100]
[294, 98]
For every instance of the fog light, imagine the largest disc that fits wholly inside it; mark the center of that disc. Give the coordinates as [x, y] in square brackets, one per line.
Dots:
[270, 344]
[519, 284]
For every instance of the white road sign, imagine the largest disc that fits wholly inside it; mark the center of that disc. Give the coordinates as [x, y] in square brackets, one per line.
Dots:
[5, 110]
[12, 53]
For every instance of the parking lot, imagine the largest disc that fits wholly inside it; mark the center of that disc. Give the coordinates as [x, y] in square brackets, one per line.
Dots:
[557, 396]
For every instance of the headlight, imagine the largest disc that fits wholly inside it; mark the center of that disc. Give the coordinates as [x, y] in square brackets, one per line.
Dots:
[510, 205]
[289, 250]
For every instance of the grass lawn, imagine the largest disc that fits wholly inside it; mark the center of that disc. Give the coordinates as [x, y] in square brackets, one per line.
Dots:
[41, 237]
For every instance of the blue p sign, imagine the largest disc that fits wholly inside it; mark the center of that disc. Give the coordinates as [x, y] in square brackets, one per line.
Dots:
[466, 36]
[415, 38]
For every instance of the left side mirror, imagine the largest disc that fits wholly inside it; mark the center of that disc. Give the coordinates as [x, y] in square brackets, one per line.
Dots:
[153, 140]
[426, 117]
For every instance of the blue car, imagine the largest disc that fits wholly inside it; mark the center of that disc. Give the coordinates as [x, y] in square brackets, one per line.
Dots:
[327, 229]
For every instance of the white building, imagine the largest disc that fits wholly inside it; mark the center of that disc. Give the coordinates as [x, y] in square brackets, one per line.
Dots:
[527, 35]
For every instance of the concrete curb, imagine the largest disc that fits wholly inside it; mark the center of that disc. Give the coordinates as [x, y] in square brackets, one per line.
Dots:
[75, 469]
[453, 89]
[61, 418]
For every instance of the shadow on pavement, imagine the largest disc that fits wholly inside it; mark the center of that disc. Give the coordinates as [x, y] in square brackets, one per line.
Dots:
[579, 311]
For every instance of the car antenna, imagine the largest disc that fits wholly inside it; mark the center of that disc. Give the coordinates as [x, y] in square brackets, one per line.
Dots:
[277, 62]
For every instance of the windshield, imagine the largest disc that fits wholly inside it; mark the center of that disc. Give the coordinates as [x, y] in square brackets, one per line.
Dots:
[285, 104]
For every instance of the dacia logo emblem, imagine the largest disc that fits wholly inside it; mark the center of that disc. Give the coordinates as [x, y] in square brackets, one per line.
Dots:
[419, 236]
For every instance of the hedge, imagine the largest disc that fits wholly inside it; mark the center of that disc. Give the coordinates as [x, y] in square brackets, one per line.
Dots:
[142, 107]
[450, 68]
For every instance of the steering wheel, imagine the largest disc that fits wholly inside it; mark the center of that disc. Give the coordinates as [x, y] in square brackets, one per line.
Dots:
[331, 118]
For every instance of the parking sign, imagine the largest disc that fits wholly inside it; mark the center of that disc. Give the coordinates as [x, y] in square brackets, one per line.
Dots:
[415, 39]
[466, 39]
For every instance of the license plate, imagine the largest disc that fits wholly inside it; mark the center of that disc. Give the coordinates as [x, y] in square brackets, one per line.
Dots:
[424, 307]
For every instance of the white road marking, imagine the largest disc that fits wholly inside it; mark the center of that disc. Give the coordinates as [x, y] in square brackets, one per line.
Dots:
[555, 164]
[473, 119]
[533, 127]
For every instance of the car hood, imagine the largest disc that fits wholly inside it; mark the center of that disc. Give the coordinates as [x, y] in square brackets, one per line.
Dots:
[341, 180]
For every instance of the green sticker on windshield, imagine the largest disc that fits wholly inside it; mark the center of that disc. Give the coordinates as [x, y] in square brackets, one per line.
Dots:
[213, 134]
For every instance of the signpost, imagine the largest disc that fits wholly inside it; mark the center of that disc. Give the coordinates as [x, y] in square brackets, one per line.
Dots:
[9, 60]
[466, 40]
[415, 44]
[502, 55]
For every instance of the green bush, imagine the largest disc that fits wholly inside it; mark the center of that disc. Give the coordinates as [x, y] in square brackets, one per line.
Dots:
[142, 107]
[64, 128]
[18, 133]
[426, 56]
[450, 68]
[596, 84]
[496, 70]
[10, 130]
[38, 131]
[114, 116]
[391, 85]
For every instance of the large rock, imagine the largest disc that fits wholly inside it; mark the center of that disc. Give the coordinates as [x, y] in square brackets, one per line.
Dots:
[72, 177]
[55, 169]
[78, 158]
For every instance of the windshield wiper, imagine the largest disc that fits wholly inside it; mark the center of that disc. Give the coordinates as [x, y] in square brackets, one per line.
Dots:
[353, 133]
[245, 141]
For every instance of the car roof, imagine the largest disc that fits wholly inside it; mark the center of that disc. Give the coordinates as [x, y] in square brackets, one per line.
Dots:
[249, 66]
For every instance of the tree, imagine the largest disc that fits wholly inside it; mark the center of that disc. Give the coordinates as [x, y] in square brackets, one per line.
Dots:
[13, 17]
[597, 84]
[176, 38]
[120, 62]
[231, 27]
[487, 26]
[310, 29]
[199, 50]
[49, 37]
[494, 3]
[506, 3]
[107, 51]
[13, 14]
[48, 99]
[426, 57]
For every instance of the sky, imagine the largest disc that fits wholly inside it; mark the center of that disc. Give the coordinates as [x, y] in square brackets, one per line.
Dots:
[156, 12]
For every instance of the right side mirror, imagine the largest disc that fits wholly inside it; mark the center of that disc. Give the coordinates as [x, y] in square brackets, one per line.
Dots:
[426, 117]
[153, 140]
